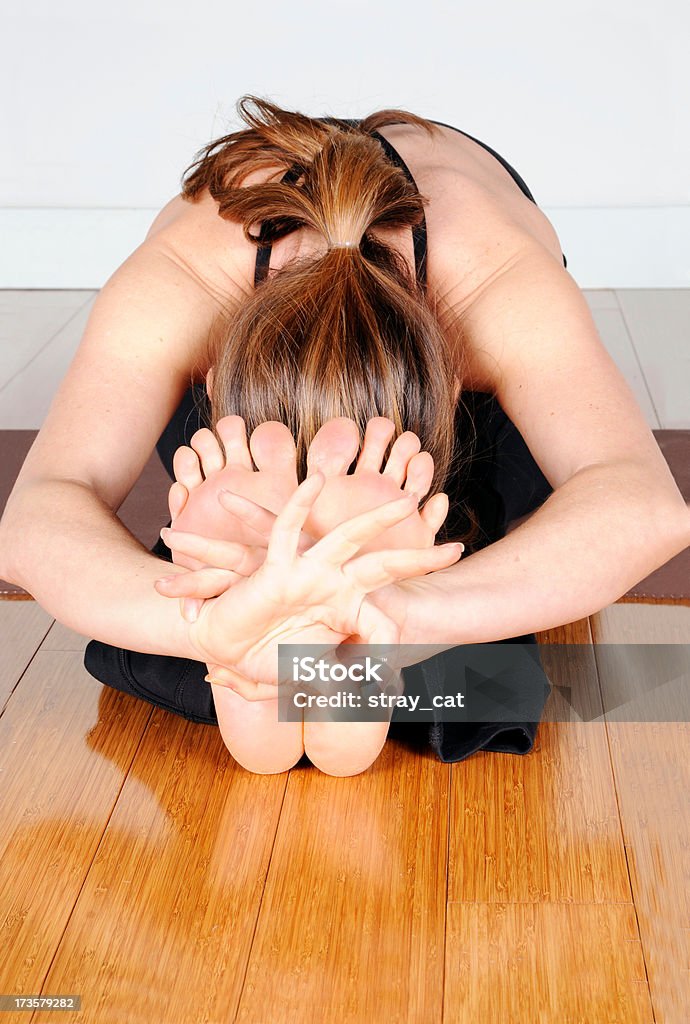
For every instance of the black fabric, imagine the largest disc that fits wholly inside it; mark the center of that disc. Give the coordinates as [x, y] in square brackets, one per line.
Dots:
[419, 236]
[263, 249]
[499, 483]
[502, 482]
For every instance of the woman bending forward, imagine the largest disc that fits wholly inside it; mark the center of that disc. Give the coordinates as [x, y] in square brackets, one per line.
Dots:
[337, 286]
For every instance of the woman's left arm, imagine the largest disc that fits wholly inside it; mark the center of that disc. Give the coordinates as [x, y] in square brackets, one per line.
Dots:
[616, 513]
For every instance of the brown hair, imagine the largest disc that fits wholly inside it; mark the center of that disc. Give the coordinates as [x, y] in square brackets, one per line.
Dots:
[344, 332]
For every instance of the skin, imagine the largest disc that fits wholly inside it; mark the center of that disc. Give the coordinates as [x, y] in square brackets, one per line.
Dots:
[251, 729]
[518, 327]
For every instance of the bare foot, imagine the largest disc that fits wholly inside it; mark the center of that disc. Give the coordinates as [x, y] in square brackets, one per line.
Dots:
[204, 473]
[251, 730]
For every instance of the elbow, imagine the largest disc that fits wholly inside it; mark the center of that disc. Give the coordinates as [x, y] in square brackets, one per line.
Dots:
[6, 571]
[8, 555]
[673, 524]
[15, 541]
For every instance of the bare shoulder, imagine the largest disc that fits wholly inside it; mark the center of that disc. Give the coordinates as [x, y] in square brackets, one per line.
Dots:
[536, 343]
[479, 224]
[145, 341]
[211, 249]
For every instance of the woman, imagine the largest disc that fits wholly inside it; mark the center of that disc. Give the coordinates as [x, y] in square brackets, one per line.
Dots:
[500, 316]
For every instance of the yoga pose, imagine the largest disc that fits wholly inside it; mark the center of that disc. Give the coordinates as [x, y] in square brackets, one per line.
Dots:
[353, 286]
[205, 533]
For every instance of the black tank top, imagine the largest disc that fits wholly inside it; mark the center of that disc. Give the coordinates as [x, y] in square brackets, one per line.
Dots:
[419, 233]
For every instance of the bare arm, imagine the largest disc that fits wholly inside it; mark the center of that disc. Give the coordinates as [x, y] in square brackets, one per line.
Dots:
[59, 537]
[594, 538]
[616, 513]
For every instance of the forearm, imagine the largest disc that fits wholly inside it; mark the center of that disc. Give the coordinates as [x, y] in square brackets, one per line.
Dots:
[63, 545]
[595, 537]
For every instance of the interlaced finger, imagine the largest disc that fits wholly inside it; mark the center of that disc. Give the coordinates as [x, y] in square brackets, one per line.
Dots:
[258, 518]
[379, 568]
[222, 554]
[345, 540]
[204, 583]
[252, 514]
[284, 541]
[223, 676]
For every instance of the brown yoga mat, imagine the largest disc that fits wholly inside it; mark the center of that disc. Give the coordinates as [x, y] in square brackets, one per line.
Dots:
[145, 510]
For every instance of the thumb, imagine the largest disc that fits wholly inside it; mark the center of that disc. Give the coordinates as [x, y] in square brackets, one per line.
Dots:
[375, 627]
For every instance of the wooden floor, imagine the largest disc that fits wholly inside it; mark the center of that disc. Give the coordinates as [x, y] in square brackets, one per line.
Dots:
[144, 870]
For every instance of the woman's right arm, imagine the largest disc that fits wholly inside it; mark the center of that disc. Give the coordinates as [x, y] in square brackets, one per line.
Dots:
[60, 538]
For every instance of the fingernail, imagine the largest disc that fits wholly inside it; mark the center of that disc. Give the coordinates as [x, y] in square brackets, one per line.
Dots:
[453, 545]
[165, 579]
[220, 682]
[164, 530]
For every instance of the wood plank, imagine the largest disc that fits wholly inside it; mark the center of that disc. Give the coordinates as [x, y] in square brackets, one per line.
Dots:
[65, 746]
[544, 826]
[652, 773]
[23, 625]
[28, 322]
[545, 962]
[352, 922]
[26, 396]
[600, 298]
[614, 334]
[62, 638]
[164, 923]
[657, 320]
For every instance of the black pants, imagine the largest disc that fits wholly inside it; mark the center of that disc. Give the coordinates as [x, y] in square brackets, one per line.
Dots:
[502, 483]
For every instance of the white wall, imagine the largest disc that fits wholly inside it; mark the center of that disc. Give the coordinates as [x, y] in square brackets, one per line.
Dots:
[106, 105]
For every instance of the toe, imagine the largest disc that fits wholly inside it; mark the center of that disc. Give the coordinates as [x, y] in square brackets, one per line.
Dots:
[420, 473]
[435, 511]
[273, 450]
[334, 447]
[187, 467]
[205, 444]
[233, 434]
[377, 437]
[177, 499]
[404, 448]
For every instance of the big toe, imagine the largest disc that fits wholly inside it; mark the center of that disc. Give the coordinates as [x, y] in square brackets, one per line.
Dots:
[334, 447]
[273, 450]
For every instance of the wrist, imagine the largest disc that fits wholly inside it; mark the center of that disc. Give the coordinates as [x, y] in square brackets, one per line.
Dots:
[194, 633]
[394, 601]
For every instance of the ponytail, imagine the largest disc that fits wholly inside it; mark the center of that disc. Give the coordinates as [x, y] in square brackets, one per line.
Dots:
[343, 332]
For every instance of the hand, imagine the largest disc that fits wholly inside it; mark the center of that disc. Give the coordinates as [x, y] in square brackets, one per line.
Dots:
[218, 563]
[319, 596]
[207, 454]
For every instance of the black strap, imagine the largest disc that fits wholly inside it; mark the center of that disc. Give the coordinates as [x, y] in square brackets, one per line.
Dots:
[263, 249]
[419, 233]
